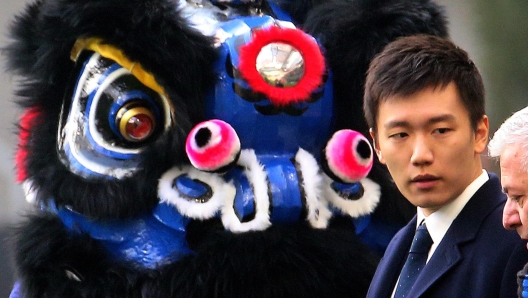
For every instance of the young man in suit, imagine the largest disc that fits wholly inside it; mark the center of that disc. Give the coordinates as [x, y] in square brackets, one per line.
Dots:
[510, 145]
[424, 102]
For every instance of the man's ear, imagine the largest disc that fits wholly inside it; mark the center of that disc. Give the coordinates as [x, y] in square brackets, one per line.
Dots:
[481, 135]
[376, 146]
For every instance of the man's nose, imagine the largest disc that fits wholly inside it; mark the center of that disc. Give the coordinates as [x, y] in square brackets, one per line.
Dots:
[422, 152]
[510, 215]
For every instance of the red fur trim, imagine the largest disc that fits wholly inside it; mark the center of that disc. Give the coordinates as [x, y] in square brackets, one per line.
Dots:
[26, 123]
[314, 64]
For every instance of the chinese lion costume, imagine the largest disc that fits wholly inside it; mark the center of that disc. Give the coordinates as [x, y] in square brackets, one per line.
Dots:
[178, 148]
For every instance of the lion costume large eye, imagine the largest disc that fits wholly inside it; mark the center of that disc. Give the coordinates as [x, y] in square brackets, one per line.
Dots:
[113, 110]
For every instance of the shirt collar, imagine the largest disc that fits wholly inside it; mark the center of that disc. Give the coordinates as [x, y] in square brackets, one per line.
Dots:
[439, 222]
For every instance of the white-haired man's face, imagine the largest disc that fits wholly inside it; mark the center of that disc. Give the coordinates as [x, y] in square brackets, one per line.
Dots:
[514, 179]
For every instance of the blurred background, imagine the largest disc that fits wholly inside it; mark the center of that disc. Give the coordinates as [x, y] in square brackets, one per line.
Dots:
[494, 32]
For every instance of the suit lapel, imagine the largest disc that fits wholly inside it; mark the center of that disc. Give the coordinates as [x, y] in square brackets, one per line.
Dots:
[462, 231]
[438, 265]
[396, 254]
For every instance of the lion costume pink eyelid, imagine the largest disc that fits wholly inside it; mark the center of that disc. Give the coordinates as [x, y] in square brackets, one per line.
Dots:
[349, 155]
[212, 145]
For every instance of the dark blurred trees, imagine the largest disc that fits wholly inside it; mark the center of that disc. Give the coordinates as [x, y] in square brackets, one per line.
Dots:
[502, 26]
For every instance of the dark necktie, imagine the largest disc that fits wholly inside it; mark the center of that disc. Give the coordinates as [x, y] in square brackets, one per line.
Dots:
[415, 261]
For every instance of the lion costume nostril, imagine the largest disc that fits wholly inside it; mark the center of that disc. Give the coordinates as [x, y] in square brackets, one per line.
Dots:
[348, 156]
[212, 145]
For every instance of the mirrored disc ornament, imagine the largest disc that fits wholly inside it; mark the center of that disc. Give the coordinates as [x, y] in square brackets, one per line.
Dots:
[283, 64]
[280, 64]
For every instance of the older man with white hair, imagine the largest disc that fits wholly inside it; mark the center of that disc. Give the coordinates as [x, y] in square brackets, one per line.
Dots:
[510, 145]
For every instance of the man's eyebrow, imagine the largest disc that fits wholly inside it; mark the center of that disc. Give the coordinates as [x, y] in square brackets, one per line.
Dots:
[395, 123]
[505, 190]
[441, 118]
[436, 119]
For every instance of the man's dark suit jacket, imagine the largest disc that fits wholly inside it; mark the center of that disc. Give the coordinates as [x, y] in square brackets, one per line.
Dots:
[476, 258]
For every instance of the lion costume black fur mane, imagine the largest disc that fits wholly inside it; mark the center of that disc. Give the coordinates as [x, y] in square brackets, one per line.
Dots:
[56, 258]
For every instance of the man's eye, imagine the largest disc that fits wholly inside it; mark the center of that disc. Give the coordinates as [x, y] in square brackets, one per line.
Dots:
[518, 199]
[399, 135]
[442, 130]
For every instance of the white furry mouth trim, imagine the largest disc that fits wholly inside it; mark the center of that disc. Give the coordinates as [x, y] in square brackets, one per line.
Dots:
[258, 179]
[220, 191]
[321, 200]
[355, 208]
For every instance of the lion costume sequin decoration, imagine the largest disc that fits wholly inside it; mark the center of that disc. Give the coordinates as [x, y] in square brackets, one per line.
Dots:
[202, 148]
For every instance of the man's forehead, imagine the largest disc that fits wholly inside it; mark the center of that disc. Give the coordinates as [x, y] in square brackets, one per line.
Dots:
[510, 157]
[430, 105]
[514, 176]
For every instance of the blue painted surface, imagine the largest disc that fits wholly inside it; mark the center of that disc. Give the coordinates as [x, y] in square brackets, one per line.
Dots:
[148, 241]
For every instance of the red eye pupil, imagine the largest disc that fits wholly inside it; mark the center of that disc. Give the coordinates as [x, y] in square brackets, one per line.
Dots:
[139, 127]
[136, 123]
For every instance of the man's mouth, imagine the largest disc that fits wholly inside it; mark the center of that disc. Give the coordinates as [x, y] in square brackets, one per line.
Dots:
[425, 181]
